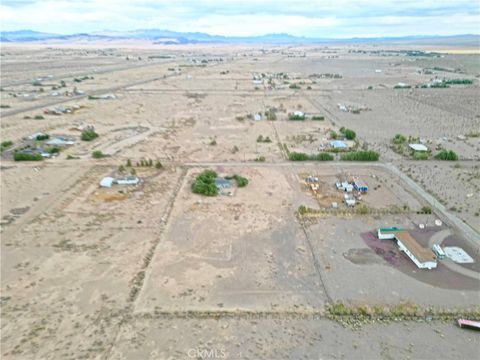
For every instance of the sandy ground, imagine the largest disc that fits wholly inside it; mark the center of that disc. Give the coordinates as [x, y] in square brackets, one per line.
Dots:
[124, 273]
[455, 186]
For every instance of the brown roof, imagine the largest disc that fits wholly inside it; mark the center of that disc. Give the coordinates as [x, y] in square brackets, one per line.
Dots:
[421, 253]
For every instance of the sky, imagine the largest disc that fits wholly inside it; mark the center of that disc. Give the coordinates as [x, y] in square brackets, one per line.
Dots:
[313, 18]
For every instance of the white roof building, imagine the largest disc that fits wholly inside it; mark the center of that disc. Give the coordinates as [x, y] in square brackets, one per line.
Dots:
[107, 182]
[128, 180]
[418, 147]
[60, 141]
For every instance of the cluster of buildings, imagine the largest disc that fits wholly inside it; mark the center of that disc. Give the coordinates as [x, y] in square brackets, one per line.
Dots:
[354, 109]
[45, 145]
[352, 191]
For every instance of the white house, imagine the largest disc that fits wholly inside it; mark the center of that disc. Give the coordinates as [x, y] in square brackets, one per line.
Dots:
[422, 257]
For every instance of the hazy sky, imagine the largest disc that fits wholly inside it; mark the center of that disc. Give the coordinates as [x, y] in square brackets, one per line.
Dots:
[314, 18]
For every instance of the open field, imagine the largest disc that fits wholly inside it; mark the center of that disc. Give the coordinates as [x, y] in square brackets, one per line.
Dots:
[152, 270]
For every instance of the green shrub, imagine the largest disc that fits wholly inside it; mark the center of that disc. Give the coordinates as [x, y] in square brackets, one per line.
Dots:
[260, 159]
[297, 156]
[204, 183]
[322, 157]
[294, 86]
[360, 156]
[4, 106]
[473, 134]
[262, 139]
[240, 180]
[97, 154]
[18, 156]
[42, 137]
[302, 209]
[52, 150]
[6, 144]
[458, 82]
[426, 210]
[38, 117]
[399, 139]
[294, 117]
[318, 118]
[363, 209]
[420, 155]
[158, 165]
[333, 135]
[71, 157]
[88, 135]
[271, 115]
[447, 155]
[349, 134]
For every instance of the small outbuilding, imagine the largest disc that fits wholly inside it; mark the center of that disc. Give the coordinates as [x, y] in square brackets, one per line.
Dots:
[360, 187]
[418, 147]
[222, 183]
[337, 144]
[60, 141]
[346, 186]
[128, 180]
[107, 182]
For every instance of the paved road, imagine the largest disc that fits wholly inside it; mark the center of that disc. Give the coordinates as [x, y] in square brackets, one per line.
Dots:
[97, 92]
[63, 100]
[105, 70]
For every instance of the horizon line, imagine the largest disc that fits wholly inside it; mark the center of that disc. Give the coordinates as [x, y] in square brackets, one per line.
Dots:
[241, 37]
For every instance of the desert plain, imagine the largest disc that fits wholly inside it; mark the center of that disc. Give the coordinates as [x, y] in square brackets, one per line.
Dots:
[272, 270]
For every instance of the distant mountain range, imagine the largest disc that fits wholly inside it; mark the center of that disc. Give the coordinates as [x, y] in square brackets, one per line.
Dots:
[172, 37]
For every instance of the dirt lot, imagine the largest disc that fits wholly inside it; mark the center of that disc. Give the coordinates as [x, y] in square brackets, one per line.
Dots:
[154, 271]
[244, 251]
[455, 186]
